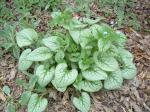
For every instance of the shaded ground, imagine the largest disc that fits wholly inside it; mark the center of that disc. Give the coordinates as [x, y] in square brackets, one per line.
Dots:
[134, 95]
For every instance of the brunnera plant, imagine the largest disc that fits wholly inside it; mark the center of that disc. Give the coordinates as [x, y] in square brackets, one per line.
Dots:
[86, 54]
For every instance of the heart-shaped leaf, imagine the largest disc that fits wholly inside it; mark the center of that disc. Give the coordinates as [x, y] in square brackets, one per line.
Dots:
[113, 51]
[106, 63]
[121, 40]
[129, 71]
[103, 45]
[94, 29]
[64, 77]
[90, 86]
[26, 37]
[37, 104]
[94, 74]
[102, 31]
[59, 56]
[40, 54]
[82, 103]
[87, 40]
[74, 24]
[61, 89]
[125, 55]
[44, 76]
[25, 98]
[53, 43]
[6, 90]
[75, 34]
[114, 80]
[24, 64]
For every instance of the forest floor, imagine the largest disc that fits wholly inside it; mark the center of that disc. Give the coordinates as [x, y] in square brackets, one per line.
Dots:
[134, 96]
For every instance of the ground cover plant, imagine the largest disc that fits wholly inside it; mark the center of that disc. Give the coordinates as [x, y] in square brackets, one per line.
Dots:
[85, 47]
[8, 41]
[25, 12]
[122, 10]
[85, 54]
[18, 86]
[20, 13]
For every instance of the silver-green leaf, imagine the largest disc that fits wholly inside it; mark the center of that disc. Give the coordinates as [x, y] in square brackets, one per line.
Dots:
[44, 75]
[40, 54]
[37, 104]
[90, 86]
[26, 37]
[94, 74]
[121, 40]
[53, 43]
[6, 90]
[106, 63]
[87, 40]
[114, 80]
[61, 89]
[129, 71]
[103, 45]
[25, 98]
[59, 56]
[24, 64]
[82, 65]
[125, 55]
[102, 31]
[82, 103]
[75, 34]
[64, 77]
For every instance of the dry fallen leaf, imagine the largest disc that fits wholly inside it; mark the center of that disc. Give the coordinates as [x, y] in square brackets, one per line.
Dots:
[2, 97]
[12, 74]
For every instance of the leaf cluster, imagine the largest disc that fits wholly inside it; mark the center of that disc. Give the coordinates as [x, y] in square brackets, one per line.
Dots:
[8, 40]
[86, 54]
[24, 6]
[5, 12]
[123, 11]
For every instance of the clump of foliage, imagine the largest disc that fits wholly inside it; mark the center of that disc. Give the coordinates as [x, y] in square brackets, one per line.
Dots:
[8, 40]
[25, 6]
[123, 11]
[5, 13]
[86, 54]
[83, 6]
[22, 13]
[17, 9]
